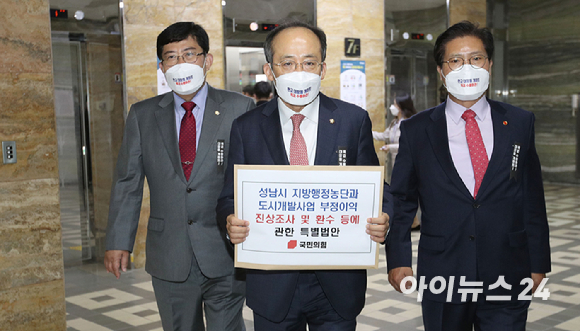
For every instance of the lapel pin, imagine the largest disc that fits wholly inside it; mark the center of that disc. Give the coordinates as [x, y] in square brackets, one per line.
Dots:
[504, 122]
[331, 121]
[217, 113]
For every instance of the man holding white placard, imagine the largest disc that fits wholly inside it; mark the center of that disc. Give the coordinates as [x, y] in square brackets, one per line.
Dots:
[301, 127]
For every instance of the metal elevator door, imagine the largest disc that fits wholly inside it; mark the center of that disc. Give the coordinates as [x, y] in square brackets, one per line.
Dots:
[69, 63]
[413, 73]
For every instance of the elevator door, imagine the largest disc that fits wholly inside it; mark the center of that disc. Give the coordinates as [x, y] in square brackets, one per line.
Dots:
[73, 155]
[411, 71]
[89, 112]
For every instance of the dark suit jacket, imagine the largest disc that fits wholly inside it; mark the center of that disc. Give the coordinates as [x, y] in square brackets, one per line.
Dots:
[504, 231]
[182, 219]
[256, 138]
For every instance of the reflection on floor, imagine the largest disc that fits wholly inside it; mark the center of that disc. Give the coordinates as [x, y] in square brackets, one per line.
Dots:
[96, 301]
[70, 213]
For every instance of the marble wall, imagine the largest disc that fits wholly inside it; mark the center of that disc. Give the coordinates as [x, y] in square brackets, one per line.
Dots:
[362, 19]
[142, 22]
[543, 48]
[470, 10]
[31, 265]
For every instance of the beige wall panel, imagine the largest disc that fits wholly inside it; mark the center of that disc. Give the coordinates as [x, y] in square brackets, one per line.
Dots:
[31, 264]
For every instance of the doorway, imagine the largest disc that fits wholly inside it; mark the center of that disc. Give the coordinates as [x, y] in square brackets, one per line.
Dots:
[244, 67]
[69, 60]
[411, 70]
[89, 108]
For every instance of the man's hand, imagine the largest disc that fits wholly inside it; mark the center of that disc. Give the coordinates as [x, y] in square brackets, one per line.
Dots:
[116, 259]
[238, 229]
[377, 227]
[537, 278]
[396, 276]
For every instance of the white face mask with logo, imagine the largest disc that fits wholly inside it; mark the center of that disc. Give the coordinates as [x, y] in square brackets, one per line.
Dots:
[394, 110]
[468, 83]
[298, 88]
[185, 78]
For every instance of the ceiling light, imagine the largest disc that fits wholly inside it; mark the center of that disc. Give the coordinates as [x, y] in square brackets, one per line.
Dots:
[79, 15]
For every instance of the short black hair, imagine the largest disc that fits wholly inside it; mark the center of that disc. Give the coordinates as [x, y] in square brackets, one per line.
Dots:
[406, 105]
[268, 44]
[180, 31]
[262, 90]
[249, 89]
[462, 29]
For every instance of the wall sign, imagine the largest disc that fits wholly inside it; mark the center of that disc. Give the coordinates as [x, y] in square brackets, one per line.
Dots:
[352, 47]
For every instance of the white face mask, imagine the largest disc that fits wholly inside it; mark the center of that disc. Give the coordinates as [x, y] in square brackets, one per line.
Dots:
[468, 83]
[185, 78]
[394, 110]
[298, 88]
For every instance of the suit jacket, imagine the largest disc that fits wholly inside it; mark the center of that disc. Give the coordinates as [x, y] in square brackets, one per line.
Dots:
[256, 138]
[503, 232]
[182, 219]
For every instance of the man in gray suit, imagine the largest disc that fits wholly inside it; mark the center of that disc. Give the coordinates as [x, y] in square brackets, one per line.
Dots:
[179, 141]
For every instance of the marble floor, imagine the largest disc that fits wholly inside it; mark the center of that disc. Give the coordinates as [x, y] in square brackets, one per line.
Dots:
[96, 301]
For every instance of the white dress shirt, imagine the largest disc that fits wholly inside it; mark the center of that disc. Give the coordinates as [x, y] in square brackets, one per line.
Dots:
[199, 99]
[308, 127]
[458, 142]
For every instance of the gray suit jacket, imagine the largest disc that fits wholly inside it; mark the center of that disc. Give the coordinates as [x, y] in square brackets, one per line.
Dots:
[183, 218]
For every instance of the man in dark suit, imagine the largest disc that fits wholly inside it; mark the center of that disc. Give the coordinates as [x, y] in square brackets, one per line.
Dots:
[178, 141]
[472, 164]
[301, 127]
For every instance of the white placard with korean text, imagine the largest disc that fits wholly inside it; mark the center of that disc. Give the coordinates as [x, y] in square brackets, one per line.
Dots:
[307, 217]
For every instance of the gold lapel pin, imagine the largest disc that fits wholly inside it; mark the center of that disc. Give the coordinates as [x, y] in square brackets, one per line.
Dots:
[504, 122]
[331, 121]
[217, 112]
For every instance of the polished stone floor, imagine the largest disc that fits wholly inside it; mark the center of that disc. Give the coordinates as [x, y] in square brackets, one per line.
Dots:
[96, 301]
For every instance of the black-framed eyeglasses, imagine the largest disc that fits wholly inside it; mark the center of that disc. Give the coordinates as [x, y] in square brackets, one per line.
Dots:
[476, 61]
[288, 66]
[188, 57]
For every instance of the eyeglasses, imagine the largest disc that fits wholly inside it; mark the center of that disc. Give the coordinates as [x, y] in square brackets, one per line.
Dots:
[289, 66]
[476, 61]
[189, 57]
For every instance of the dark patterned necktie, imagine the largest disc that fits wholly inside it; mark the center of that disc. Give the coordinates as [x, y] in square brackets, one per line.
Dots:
[477, 151]
[187, 139]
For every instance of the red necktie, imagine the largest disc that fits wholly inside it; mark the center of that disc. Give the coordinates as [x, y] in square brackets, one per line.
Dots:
[298, 154]
[187, 139]
[477, 150]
